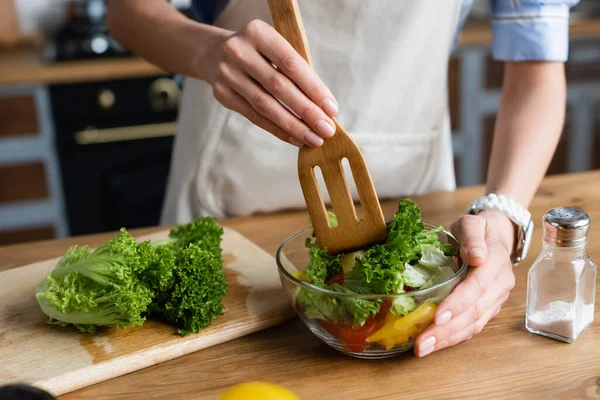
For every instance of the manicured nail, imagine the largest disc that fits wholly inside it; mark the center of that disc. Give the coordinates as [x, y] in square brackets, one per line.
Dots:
[330, 107]
[426, 346]
[325, 129]
[313, 139]
[477, 253]
[296, 142]
[443, 318]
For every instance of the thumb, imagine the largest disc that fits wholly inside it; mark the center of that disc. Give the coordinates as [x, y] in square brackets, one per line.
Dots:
[469, 230]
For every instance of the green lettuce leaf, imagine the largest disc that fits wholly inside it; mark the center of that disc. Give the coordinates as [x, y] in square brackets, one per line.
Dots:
[193, 297]
[377, 272]
[100, 288]
[121, 282]
[321, 265]
[338, 309]
[204, 232]
[433, 256]
[442, 275]
[403, 305]
[415, 276]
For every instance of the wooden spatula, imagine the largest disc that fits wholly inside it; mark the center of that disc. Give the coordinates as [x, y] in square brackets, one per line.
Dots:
[351, 233]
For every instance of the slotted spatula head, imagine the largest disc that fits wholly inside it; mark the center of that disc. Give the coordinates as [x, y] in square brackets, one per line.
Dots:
[351, 233]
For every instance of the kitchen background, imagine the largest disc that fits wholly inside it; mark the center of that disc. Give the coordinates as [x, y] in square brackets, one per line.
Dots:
[86, 129]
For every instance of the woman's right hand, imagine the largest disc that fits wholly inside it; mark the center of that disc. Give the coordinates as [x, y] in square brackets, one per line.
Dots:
[251, 69]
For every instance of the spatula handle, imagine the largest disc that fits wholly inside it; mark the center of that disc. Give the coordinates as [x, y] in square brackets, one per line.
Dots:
[288, 22]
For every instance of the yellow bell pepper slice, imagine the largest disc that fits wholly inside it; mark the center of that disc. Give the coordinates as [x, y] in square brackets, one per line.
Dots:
[387, 331]
[399, 329]
[418, 320]
[388, 343]
[300, 275]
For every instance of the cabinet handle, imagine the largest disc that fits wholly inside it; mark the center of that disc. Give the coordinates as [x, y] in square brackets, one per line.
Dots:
[113, 135]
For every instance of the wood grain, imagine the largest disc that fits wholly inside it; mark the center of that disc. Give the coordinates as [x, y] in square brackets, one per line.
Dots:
[25, 66]
[18, 116]
[503, 362]
[351, 233]
[21, 182]
[28, 234]
[10, 33]
[478, 32]
[61, 360]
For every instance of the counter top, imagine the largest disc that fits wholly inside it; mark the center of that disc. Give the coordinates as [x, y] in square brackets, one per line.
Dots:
[503, 362]
[477, 32]
[25, 66]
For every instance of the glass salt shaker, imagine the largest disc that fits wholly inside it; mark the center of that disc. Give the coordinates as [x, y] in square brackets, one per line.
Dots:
[561, 284]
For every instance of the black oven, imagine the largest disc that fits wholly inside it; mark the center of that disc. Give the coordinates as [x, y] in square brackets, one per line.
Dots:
[114, 141]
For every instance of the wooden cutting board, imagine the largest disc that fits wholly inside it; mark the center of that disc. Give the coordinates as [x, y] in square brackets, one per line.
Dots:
[61, 360]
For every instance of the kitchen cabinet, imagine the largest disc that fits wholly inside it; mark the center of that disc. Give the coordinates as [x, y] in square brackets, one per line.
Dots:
[31, 206]
[32, 198]
[475, 82]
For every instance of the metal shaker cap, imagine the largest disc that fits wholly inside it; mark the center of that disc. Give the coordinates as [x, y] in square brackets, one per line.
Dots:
[566, 227]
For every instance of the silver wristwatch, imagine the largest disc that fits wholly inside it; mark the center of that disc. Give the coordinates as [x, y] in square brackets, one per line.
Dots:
[513, 211]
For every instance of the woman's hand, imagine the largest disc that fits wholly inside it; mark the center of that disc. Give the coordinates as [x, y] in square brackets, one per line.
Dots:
[486, 240]
[242, 73]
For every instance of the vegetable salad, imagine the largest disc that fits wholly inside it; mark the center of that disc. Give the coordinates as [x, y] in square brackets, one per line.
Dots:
[412, 258]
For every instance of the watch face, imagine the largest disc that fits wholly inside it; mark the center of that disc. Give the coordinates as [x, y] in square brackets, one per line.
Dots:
[527, 239]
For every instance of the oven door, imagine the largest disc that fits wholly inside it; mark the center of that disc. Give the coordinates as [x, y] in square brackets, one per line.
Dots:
[117, 177]
[114, 140]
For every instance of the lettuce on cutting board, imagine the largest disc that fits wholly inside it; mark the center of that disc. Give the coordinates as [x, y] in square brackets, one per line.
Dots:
[122, 281]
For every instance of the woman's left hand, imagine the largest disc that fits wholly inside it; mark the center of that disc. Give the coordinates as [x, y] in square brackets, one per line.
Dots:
[486, 242]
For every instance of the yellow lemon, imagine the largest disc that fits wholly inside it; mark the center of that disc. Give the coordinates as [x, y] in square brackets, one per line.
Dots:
[258, 391]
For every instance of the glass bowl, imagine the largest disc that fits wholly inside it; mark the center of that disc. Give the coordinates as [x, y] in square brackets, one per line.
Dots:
[360, 341]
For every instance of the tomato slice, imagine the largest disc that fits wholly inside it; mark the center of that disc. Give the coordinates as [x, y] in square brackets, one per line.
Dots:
[384, 310]
[355, 338]
[338, 278]
[329, 327]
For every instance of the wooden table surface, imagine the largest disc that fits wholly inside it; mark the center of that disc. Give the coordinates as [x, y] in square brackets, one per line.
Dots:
[503, 362]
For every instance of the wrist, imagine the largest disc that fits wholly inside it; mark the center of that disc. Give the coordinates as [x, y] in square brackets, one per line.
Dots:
[208, 52]
[503, 227]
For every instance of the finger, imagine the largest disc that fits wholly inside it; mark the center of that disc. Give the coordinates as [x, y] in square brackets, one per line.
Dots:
[470, 233]
[427, 347]
[233, 101]
[285, 90]
[267, 106]
[275, 48]
[475, 328]
[477, 311]
[478, 282]
[441, 333]
[496, 312]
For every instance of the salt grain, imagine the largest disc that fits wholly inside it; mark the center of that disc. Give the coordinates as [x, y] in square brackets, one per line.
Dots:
[560, 318]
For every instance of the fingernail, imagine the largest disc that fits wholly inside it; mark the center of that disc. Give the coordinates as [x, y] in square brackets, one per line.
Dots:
[296, 142]
[477, 253]
[313, 139]
[426, 346]
[443, 318]
[330, 107]
[325, 129]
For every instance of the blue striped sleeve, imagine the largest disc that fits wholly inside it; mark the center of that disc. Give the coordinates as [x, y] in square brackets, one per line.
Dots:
[531, 30]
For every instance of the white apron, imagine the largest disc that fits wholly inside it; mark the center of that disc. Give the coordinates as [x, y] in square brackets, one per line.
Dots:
[386, 64]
